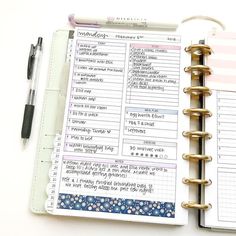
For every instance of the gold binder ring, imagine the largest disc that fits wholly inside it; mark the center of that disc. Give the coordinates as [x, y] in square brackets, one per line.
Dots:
[196, 205]
[198, 70]
[197, 90]
[199, 49]
[197, 134]
[196, 181]
[196, 157]
[197, 112]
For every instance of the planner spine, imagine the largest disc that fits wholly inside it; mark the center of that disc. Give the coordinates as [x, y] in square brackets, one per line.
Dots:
[198, 114]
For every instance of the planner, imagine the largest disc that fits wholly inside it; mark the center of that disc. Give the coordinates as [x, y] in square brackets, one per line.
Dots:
[122, 109]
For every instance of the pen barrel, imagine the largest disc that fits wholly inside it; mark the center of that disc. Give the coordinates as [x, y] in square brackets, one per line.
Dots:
[36, 68]
[27, 121]
[31, 97]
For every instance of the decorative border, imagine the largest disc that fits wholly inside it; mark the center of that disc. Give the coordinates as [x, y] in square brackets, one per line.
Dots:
[116, 205]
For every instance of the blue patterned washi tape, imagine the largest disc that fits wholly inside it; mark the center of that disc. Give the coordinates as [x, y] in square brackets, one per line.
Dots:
[116, 205]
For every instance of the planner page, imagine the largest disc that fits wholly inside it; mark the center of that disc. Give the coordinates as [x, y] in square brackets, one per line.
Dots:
[121, 147]
[222, 147]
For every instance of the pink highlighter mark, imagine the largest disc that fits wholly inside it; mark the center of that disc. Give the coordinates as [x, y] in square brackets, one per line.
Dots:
[230, 79]
[224, 64]
[219, 62]
[224, 49]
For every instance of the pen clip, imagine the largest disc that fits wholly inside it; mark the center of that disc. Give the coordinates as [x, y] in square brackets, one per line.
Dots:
[31, 61]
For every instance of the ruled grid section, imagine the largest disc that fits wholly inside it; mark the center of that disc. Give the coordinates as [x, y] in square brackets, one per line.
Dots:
[227, 194]
[226, 127]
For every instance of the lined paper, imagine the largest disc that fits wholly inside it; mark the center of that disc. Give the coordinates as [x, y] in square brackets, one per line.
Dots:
[227, 194]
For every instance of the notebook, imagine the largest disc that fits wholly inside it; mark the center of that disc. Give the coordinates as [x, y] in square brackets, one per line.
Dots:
[119, 145]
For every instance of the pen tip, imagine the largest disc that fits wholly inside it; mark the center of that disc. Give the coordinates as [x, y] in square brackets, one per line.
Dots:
[40, 41]
[24, 141]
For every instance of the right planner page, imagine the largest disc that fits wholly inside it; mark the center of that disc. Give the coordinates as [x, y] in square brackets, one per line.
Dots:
[222, 125]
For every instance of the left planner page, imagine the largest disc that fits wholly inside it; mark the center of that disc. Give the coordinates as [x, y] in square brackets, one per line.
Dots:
[120, 153]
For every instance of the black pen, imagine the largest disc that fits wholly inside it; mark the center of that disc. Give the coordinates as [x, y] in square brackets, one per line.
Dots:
[32, 75]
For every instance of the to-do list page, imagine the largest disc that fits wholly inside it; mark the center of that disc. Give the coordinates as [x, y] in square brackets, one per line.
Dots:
[122, 144]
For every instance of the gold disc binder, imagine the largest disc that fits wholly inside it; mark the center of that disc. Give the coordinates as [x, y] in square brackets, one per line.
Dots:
[196, 157]
[199, 49]
[197, 112]
[197, 92]
[196, 134]
[196, 205]
[196, 181]
[197, 70]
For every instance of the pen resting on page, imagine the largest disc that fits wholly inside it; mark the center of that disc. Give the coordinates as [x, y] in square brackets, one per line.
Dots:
[121, 22]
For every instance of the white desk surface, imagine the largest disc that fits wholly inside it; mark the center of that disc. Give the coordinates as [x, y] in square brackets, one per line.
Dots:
[21, 22]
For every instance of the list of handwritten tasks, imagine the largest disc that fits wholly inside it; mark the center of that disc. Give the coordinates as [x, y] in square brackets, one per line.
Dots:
[96, 95]
[123, 95]
[150, 122]
[153, 76]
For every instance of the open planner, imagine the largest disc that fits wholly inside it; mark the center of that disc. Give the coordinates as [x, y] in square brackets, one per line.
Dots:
[121, 110]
